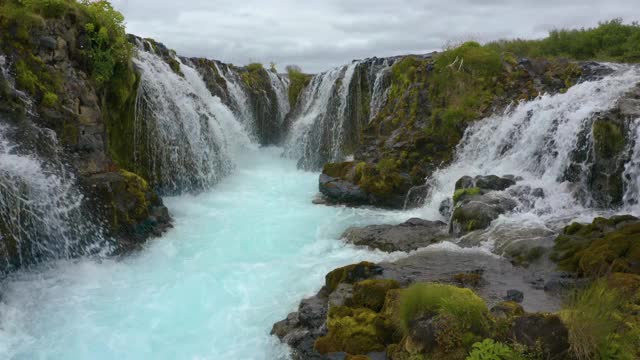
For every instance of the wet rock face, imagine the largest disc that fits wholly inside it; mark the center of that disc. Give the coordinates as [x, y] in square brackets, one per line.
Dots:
[341, 191]
[605, 150]
[131, 210]
[410, 235]
[82, 127]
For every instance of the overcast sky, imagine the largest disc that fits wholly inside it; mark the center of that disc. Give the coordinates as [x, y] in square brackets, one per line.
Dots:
[320, 34]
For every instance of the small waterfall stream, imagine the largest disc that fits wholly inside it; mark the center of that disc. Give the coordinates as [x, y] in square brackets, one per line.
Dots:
[328, 120]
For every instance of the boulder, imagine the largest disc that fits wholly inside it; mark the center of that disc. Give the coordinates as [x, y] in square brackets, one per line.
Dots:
[410, 235]
[545, 330]
[476, 212]
[341, 191]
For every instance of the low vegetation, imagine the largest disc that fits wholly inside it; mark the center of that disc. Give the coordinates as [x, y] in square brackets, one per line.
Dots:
[610, 41]
[600, 323]
[297, 82]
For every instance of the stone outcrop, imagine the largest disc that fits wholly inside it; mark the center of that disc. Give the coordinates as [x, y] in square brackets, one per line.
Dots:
[410, 235]
[47, 83]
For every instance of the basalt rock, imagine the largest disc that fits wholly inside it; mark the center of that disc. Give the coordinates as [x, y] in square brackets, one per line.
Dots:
[478, 201]
[131, 210]
[88, 126]
[604, 150]
[410, 235]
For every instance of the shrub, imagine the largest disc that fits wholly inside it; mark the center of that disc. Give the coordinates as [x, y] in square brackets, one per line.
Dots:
[598, 327]
[107, 46]
[422, 299]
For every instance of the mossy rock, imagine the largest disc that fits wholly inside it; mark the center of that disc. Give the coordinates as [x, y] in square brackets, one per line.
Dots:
[425, 300]
[338, 170]
[605, 245]
[350, 330]
[357, 357]
[609, 139]
[351, 274]
[371, 293]
[462, 193]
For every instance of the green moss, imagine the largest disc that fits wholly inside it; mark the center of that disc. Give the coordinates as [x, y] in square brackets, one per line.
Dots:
[350, 274]
[25, 78]
[50, 99]
[371, 293]
[598, 248]
[254, 76]
[384, 179]
[297, 82]
[175, 66]
[350, 330]
[138, 188]
[119, 112]
[609, 139]
[338, 170]
[429, 298]
[460, 193]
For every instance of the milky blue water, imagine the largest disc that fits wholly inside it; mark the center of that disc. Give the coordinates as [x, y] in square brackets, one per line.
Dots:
[240, 257]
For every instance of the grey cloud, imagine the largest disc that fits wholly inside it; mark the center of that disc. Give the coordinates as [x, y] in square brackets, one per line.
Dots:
[319, 34]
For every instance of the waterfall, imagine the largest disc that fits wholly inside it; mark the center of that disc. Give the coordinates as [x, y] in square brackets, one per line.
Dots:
[187, 134]
[631, 174]
[280, 85]
[535, 140]
[239, 99]
[329, 118]
[40, 209]
[381, 87]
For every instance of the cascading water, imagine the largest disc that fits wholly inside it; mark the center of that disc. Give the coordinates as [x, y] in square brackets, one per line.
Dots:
[186, 133]
[381, 88]
[535, 140]
[41, 210]
[330, 115]
[280, 85]
[239, 98]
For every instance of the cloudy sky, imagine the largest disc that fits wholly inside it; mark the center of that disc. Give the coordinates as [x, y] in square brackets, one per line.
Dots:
[320, 34]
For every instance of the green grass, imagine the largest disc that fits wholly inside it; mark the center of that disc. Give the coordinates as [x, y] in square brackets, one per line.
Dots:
[598, 326]
[610, 41]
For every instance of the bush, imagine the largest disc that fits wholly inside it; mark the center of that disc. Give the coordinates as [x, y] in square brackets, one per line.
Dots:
[422, 299]
[598, 326]
[107, 46]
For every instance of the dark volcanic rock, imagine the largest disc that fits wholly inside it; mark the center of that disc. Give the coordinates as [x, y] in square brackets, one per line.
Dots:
[547, 330]
[478, 211]
[338, 190]
[410, 235]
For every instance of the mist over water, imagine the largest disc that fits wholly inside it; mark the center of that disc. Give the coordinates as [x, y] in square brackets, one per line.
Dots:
[240, 257]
